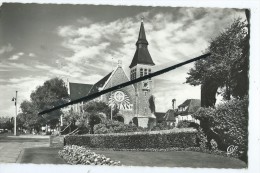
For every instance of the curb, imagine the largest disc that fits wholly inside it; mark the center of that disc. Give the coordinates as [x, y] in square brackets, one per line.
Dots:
[19, 159]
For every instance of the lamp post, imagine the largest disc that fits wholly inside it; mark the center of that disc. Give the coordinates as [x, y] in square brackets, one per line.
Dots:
[111, 94]
[15, 103]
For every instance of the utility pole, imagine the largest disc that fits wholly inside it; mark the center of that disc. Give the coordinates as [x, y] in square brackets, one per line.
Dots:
[15, 103]
[111, 110]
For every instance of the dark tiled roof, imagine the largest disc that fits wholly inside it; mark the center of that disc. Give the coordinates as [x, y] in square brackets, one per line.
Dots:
[159, 116]
[192, 104]
[170, 115]
[99, 84]
[78, 90]
[142, 55]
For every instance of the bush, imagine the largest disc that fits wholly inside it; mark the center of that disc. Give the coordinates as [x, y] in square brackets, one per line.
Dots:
[183, 124]
[202, 140]
[231, 123]
[161, 126]
[80, 155]
[110, 126]
[214, 145]
[137, 140]
[227, 124]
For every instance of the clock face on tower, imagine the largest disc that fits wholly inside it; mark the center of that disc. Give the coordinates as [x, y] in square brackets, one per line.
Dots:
[145, 85]
[120, 100]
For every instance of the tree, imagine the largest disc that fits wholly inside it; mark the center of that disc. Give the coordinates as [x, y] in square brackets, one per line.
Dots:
[70, 118]
[95, 110]
[226, 68]
[29, 118]
[52, 93]
[6, 123]
[97, 107]
[94, 113]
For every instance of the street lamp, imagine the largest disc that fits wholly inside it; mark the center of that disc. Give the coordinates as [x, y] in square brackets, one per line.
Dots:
[15, 103]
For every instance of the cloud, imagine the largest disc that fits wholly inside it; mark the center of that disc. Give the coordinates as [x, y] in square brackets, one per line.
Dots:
[66, 31]
[84, 21]
[16, 56]
[24, 86]
[5, 49]
[11, 66]
[32, 55]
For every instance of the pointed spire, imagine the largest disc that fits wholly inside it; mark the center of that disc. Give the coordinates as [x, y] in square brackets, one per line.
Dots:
[142, 36]
[142, 55]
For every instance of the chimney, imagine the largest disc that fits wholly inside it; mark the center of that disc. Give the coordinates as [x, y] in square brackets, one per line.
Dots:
[173, 103]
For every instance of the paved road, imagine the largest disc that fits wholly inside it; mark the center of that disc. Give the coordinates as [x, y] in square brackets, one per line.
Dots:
[11, 147]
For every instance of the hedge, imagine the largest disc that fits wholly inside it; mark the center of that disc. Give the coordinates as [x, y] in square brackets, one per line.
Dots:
[137, 140]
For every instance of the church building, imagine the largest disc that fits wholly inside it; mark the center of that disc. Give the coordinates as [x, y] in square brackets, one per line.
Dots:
[135, 102]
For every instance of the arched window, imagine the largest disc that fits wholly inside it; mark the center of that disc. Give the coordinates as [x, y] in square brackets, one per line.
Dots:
[141, 72]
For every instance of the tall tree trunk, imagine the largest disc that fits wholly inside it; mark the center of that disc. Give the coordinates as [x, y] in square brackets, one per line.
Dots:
[208, 93]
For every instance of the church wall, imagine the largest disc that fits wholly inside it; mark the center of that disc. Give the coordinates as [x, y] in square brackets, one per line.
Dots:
[120, 77]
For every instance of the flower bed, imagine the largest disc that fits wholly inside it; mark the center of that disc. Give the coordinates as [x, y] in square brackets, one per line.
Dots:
[73, 154]
[137, 140]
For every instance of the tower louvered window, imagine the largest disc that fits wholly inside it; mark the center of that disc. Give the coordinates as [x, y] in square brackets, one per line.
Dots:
[141, 72]
[145, 71]
[133, 74]
[149, 72]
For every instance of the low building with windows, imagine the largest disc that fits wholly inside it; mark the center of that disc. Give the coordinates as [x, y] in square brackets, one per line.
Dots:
[186, 109]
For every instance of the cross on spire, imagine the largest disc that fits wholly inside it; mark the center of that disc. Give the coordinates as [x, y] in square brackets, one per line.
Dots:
[142, 19]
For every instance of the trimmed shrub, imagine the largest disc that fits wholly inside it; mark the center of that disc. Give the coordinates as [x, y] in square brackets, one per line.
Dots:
[80, 155]
[161, 126]
[137, 140]
[231, 122]
[227, 124]
[110, 126]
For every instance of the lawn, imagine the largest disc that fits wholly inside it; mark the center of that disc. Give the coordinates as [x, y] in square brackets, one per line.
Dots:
[46, 155]
[173, 159]
[42, 155]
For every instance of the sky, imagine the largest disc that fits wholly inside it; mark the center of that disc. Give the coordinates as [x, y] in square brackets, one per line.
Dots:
[83, 43]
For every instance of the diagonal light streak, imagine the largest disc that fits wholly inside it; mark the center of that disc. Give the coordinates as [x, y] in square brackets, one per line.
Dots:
[95, 95]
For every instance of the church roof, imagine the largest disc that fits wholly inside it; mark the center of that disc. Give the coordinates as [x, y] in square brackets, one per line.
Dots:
[192, 106]
[78, 90]
[142, 55]
[99, 84]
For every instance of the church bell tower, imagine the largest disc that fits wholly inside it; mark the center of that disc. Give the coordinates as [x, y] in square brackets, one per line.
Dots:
[141, 65]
